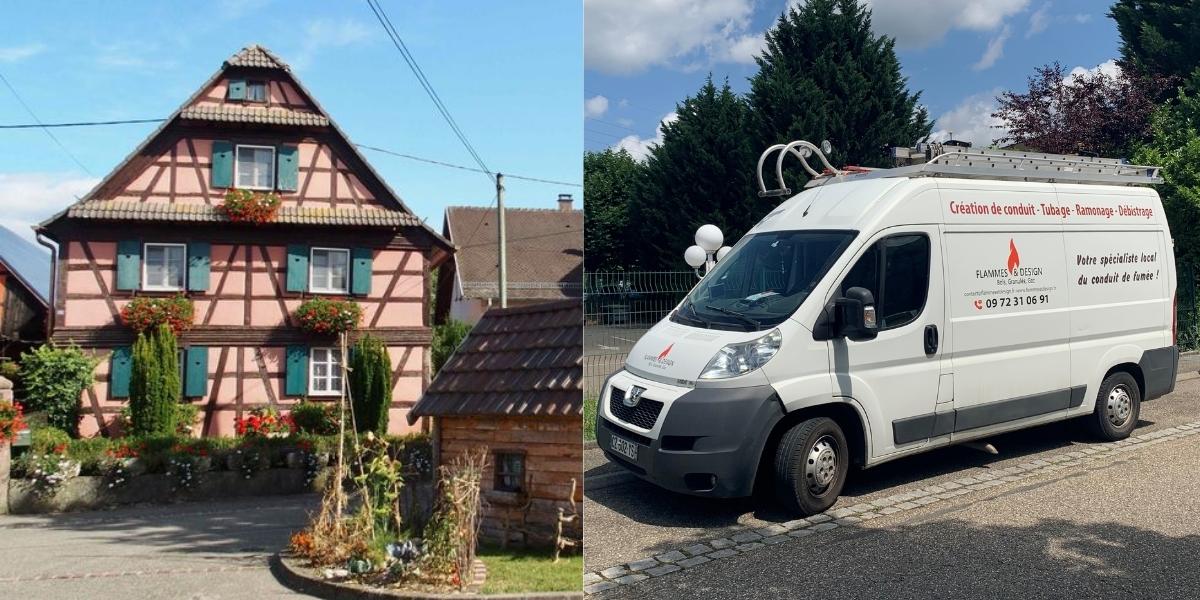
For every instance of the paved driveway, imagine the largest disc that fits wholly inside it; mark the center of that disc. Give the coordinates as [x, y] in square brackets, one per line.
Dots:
[202, 551]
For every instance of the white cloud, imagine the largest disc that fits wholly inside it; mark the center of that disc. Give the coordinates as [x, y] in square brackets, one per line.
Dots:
[971, 120]
[1108, 67]
[629, 36]
[595, 106]
[993, 52]
[14, 54]
[917, 24]
[329, 33]
[30, 198]
[132, 54]
[1039, 21]
[640, 147]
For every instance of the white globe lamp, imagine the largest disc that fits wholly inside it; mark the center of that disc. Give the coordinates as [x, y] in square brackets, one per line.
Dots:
[695, 256]
[722, 252]
[709, 238]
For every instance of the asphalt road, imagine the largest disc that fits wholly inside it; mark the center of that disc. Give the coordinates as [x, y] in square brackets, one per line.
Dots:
[634, 519]
[197, 551]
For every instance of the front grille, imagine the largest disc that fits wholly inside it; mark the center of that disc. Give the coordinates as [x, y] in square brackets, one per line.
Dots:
[644, 415]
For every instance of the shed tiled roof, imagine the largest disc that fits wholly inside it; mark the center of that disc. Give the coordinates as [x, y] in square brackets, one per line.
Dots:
[545, 252]
[256, 56]
[117, 210]
[525, 361]
[236, 113]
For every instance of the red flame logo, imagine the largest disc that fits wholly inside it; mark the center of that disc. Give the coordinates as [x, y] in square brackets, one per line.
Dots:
[666, 352]
[1014, 259]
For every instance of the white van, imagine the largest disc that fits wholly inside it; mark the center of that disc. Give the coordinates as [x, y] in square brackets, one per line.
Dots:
[884, 313]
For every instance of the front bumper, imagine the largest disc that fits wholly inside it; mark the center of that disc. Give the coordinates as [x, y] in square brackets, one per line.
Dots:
[707, 441]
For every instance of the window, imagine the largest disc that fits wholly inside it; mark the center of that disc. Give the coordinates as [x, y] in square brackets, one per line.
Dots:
[254, 168]
[896, 271]
[325, 372]
[510, 472]
[256, 91]
[163, 267]
[330, 271]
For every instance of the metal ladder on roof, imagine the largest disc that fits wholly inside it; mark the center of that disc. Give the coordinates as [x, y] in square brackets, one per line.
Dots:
[943, 160]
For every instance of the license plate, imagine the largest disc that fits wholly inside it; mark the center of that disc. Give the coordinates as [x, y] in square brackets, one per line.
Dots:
[623, 447]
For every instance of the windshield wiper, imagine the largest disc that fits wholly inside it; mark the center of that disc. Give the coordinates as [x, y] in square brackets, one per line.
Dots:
[696, 316]
[734, 313]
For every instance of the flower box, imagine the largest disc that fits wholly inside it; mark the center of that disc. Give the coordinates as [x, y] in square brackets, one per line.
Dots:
[245, 206]
[322, 316]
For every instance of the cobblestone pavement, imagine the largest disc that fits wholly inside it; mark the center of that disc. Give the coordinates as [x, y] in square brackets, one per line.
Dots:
[200, 551]
[663, 533]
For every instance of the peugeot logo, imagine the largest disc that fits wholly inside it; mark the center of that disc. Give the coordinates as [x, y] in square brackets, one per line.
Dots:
[632, 396]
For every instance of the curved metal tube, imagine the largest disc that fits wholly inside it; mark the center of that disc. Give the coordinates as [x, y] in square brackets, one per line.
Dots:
[803, 144]
[762, 187]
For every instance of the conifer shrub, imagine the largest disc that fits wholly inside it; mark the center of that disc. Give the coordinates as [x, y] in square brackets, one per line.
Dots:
[370, 384]
[155, 387]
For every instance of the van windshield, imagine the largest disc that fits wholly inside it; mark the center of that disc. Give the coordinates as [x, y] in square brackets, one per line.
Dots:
[763, 280]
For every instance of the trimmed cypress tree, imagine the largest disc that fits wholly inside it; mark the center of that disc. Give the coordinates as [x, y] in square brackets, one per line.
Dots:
[370, 384]
[154, 387]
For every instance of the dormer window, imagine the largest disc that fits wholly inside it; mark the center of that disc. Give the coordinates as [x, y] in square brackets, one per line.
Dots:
[254, 167]
[256, 91]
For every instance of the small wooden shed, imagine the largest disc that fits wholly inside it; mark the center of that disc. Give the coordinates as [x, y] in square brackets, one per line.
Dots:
[514, 387]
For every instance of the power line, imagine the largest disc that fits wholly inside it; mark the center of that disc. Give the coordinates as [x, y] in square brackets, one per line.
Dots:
[462, 167]
[81, 123]
[610, 123]
[43, 127]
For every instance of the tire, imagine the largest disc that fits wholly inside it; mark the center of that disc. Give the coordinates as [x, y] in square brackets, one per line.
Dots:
[1118, 404]
[811, 463]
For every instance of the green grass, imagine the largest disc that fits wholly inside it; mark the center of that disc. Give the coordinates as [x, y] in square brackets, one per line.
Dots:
[516, 571]
[589, 419]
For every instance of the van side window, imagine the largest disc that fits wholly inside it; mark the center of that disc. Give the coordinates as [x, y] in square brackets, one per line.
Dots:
[896, 271]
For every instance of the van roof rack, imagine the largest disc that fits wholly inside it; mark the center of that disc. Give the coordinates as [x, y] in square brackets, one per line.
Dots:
[941, 160]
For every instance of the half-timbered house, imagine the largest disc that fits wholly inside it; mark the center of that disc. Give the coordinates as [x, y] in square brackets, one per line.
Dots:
[154, 227]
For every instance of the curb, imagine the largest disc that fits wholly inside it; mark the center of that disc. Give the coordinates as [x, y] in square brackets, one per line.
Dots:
[747, 540]
[297, 577]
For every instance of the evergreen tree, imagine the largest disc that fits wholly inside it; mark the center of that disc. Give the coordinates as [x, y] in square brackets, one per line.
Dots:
[1158, 39]
[608, 178]
[155, 386]
[702, 172]
[825, 76]
[370, 384]
[1175, 146]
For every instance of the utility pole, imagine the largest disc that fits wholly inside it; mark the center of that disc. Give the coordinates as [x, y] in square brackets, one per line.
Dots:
[503, 240]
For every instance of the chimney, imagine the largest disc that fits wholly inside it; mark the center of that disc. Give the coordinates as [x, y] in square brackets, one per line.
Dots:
[565, 202]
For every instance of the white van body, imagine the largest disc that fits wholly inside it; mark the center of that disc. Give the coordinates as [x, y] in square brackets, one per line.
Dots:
[1036, 292]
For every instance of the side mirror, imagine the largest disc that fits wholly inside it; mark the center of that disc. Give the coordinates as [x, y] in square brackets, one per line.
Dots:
[856, 319]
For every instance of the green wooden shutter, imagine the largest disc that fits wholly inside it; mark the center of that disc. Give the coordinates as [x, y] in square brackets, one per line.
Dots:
[222, 164]
[195, 373]
[360, 271]
[287, 172]
[296, 383]
[237, 89]
[119, 372]
[199, 263]
[297, 268]
[129, 264]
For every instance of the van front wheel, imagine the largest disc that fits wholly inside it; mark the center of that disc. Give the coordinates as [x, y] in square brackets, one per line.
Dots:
[811, 462]
[1118, 405]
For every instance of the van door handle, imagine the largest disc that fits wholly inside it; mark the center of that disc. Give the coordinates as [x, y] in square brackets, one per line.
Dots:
[931, 340]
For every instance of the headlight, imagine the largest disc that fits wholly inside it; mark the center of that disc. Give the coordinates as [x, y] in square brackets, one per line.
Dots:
[739, 359]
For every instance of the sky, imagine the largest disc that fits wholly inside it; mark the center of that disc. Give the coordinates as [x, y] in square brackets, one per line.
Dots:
[644, 56]
[511, 74]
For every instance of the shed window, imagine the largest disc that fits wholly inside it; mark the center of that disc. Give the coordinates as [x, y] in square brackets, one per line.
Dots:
[256, 91]
[325, 372]
[510, 472]
[163, 267]
[330, 271]
[255, 167]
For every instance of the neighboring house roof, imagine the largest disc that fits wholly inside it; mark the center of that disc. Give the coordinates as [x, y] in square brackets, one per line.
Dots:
[295, 215]
[545, 252]
[28, 263]
[256, 57]
[524, 361]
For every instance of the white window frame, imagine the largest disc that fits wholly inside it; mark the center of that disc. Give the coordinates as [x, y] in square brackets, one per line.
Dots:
[312, 287]
[312, 391]
[146, 259]
[274, 166]
[265, 89]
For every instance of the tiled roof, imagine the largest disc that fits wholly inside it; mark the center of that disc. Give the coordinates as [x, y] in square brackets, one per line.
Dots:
[256, 56]
[545, 251]
[291, 215]
[236, 113]
[525, 361]
[29, 263]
